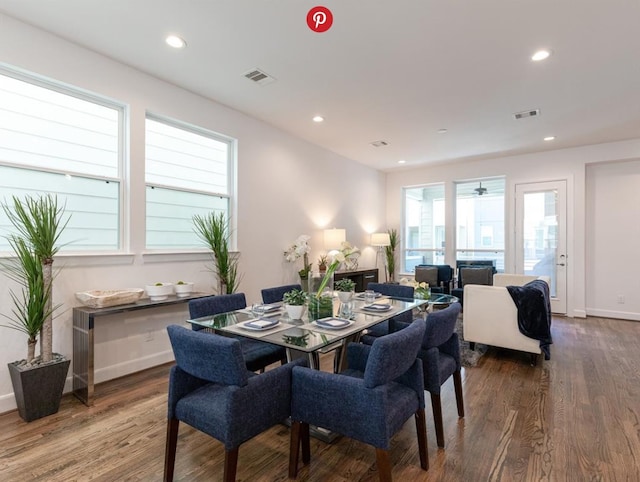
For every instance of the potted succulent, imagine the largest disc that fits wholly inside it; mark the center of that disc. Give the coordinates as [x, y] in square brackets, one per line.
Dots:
[294, 303]
[159, 291]
[183, 288]
[38, 381]
[345, 288]
[323, 260]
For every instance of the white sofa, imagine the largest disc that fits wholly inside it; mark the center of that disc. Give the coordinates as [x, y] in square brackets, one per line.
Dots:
[491, 317]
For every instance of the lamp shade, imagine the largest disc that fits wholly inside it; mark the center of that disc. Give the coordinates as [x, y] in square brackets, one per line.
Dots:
[333, 238]
[380, 239]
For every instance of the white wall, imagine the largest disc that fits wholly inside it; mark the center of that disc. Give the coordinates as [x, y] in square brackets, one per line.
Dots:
[613, 234]
[568, 164]
[286, 187]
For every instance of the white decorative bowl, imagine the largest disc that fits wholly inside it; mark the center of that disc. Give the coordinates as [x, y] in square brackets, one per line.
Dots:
[106, 298]
[159, 292]
[184, 288]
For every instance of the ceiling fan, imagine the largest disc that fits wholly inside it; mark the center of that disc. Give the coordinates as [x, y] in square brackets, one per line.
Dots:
[480, 190]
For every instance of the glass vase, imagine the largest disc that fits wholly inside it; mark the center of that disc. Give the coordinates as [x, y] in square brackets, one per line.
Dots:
[320, 307]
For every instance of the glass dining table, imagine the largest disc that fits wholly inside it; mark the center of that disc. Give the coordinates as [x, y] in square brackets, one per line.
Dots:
[305, 337]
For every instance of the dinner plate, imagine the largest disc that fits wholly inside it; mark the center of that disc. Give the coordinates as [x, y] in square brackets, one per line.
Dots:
[377, 307]
[259, 325]
[333, 323]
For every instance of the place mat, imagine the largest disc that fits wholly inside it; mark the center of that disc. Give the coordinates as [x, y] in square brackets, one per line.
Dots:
[238, 330]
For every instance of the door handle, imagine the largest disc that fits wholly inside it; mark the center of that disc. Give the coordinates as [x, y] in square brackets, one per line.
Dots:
[559, 264]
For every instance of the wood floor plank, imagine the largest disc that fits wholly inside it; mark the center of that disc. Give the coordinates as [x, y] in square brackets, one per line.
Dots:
[574, 417]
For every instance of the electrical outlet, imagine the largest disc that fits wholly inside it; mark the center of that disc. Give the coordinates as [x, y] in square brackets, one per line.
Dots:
[621, 299]
[149, 336]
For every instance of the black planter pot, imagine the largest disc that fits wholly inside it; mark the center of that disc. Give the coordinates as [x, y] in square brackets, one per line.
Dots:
[38, 390]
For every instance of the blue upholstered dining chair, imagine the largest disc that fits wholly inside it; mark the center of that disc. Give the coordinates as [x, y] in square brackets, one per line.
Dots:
[275, 294]
[400, 321]
[440, 355]
[257, 354]
[211, 390]
[370, 401]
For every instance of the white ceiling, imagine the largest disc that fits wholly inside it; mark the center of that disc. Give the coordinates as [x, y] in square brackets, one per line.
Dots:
[393, 70]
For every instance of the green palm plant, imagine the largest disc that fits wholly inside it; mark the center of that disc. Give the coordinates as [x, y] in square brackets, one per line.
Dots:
[39, 224]
[213, 230]
[390, 252]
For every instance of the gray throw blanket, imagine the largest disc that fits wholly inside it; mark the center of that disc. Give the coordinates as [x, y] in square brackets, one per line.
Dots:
[534, 312]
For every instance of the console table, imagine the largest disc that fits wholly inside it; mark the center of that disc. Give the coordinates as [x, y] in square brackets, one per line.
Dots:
[361, 277]
[83, 351]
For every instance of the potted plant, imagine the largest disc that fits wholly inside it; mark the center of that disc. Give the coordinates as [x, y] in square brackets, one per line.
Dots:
[390, 252]
[183, 288]
[38, 381]
[301, 248]
[294, 303]
[159, 291]
[323, 260]
[214, 231]
[345, 288]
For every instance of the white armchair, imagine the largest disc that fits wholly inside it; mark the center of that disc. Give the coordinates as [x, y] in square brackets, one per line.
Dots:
[491, 316]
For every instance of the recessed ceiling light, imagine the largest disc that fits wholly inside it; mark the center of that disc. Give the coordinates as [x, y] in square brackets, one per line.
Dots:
[401, 161]
[549, 138]
[318, 118]
[442, 131]
[540, 55]
[175, 42]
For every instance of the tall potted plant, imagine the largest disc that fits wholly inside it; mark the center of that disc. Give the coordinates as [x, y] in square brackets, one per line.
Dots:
[390, 252]
[38, 382]
[214, 231]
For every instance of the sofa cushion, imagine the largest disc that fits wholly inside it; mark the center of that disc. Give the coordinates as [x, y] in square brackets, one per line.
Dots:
[427, 274]
[476, 276]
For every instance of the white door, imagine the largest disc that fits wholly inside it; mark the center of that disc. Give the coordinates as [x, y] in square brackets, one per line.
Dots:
[541, 236]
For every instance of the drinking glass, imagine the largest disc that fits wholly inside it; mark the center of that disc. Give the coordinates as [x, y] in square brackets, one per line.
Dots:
[346, 309]
[369, 297]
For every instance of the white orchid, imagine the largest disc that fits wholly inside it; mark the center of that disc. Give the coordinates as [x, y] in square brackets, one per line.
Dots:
[300, 249]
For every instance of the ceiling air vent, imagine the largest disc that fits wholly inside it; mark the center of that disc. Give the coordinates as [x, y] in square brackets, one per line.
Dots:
[259, 77]
[379, 143]
[526, 113]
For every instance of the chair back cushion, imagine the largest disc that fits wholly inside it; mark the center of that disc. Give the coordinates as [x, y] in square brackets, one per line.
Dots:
[398, 291]
[274, 295]
[392, 355]
[214, 305]
[476, 276]
[427, 274]
[440, 326]
[208, 356]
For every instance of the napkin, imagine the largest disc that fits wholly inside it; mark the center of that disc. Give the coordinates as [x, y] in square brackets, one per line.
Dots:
[332, 322]
[261, 324]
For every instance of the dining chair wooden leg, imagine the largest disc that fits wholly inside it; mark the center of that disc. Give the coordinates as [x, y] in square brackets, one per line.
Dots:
[421, 431]
[457, 383]
[230, 464]
[294, 448]
[306, 443]
[384, 465]
[170, 448]
[437, 418]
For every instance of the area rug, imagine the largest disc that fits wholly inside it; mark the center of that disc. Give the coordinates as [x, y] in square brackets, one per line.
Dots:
[469, 357]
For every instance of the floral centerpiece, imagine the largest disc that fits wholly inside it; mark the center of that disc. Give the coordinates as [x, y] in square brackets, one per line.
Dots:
[321, 302]
[421, 290]
[300, 249]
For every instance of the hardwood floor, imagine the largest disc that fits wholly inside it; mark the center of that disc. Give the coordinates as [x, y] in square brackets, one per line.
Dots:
[575, 417]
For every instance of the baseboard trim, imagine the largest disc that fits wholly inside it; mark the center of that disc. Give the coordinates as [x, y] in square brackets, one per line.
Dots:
[8, 401]
[619, 315]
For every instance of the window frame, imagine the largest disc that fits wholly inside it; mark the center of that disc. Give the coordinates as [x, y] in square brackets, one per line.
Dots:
[231, 163]
[123, 115]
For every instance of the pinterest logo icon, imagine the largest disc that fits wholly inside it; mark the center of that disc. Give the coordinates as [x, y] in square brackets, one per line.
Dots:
[319, 19]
